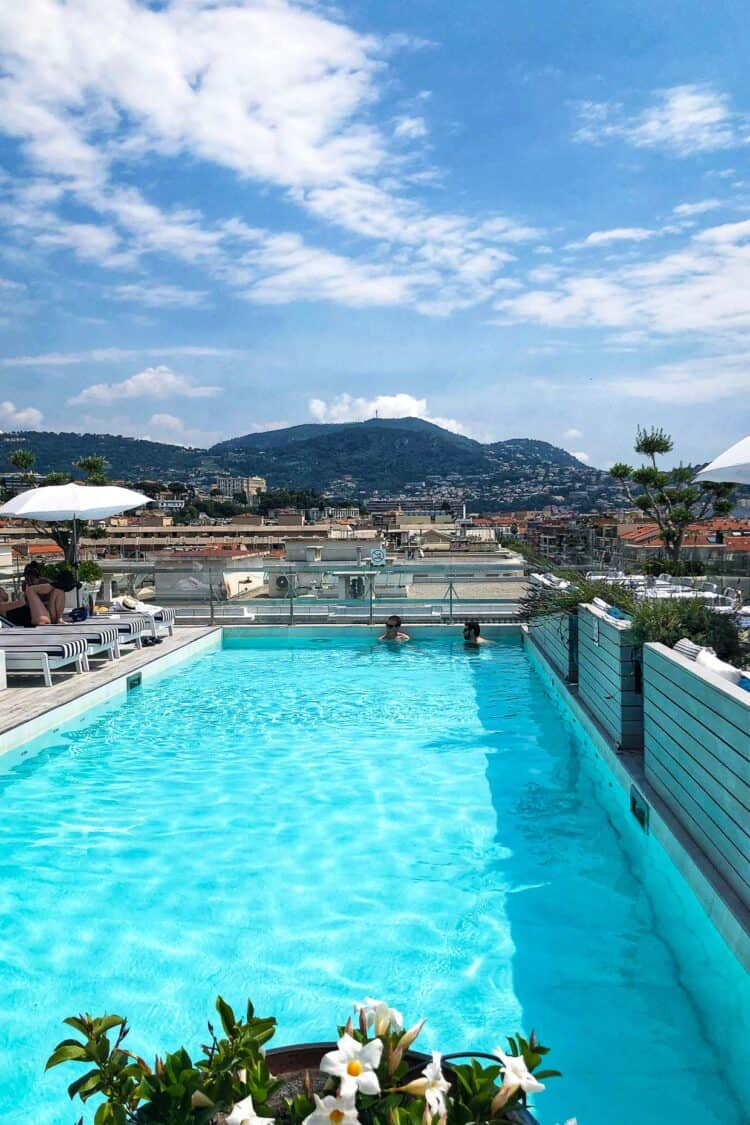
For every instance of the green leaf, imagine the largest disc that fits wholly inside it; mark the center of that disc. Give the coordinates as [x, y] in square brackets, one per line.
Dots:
[86, 1085]
[66, 1052]
[228, 1021]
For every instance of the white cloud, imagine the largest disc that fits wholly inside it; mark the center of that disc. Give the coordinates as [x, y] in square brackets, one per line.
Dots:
[153, 382]
[346, 408]
[692, 382]
[539, 276]
[573, 433]
[168, 422]
[19, 418]
[699, 208]
[160, 296]
[276, 92]
[108, 355]
[727, 233]
[684, 119]
[290, 270]
[580, 456]
[578, 300]
[88, 241]
[702, 288]
[617, 234]
[410, 128]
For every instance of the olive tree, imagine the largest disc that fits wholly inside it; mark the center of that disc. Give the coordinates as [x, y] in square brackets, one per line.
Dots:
[668, 496]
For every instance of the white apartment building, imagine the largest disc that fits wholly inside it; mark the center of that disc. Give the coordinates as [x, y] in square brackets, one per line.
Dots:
[251, 486]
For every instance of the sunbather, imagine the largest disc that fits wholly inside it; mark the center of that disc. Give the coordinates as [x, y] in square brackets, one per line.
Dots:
[40, 604]
[45, 599]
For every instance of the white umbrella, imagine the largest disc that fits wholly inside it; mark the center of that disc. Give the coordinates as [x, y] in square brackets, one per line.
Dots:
[72, 502]
[732, 466]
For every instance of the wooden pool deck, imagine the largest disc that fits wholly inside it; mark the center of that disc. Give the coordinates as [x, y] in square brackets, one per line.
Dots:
[27, 698]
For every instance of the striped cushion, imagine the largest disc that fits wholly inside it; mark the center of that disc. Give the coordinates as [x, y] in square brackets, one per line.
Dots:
[74, 646]
[687, 648]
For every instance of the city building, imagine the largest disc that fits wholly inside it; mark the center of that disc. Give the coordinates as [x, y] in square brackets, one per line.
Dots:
[251, 486]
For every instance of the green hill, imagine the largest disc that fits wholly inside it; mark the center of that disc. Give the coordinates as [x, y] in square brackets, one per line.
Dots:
[382, 455]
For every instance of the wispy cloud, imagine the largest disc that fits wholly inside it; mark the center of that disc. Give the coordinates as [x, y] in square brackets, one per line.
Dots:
[682, 119]
[700, 289]
[275, 92]
[410, 128]
[110, 355]
[686, 210]
[617, 234]
[693, 382]
[160, 296]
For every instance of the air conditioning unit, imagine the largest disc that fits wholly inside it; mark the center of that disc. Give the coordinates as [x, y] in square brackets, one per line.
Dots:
[278, 585]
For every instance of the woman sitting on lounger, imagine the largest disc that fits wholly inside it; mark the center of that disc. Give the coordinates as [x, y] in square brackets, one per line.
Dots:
[39, 604]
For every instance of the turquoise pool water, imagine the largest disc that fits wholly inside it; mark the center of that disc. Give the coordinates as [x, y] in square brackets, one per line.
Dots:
[311, 822]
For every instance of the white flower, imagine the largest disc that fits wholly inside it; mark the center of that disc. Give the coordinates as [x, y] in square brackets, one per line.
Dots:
[354, 1063]
[333, 1111]
[432, 1087]
[516, 1074]
[380, 1016]
[243, 1113]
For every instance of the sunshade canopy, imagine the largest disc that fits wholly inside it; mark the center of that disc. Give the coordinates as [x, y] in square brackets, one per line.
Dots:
[68, 501]
[732, 466]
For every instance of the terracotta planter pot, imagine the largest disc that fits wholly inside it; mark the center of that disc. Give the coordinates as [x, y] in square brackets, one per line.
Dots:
[300, 1057]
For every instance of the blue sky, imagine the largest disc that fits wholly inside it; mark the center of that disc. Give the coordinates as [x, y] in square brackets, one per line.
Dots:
[516, 220]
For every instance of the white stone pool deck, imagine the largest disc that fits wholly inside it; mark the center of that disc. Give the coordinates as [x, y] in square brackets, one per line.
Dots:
[27, 703]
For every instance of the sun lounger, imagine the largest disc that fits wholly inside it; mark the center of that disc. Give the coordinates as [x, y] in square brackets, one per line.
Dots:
[159, 624]
[43, 656]
[100, 638]
[130, 629]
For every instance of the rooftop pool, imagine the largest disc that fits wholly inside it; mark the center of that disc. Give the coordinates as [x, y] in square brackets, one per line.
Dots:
[307, 821]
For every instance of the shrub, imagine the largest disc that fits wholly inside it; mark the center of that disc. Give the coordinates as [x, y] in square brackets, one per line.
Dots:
[540, 601]
[681, 569]
[666, 622]
[368, 1080]
[87, 571]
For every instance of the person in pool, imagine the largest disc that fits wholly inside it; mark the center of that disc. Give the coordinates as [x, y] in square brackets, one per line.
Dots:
[393, 630]
[472, 634]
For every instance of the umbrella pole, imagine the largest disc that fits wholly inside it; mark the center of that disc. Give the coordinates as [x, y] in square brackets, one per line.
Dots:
[75, 562]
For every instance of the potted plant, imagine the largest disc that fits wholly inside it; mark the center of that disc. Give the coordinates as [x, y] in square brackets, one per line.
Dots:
[371, 1075]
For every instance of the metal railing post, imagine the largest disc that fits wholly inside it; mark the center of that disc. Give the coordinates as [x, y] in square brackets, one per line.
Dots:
[211, 594]
[450, 596]
[372, 585]
[291, 599]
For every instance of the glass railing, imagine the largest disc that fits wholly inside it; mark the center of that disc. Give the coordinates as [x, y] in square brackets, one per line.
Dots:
[230, 592]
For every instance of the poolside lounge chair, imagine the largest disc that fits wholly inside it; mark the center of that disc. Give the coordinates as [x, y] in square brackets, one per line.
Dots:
[160, 620]
[99, 638]
[42, 656]
[130, 629]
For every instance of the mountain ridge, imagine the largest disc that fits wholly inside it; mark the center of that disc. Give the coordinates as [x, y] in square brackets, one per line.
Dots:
[393, 456]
